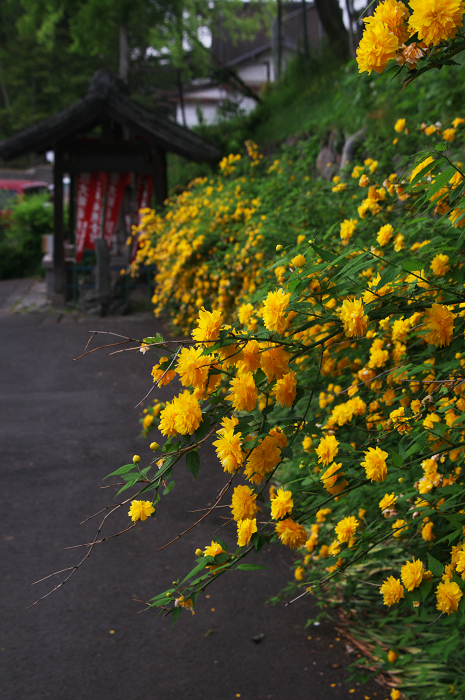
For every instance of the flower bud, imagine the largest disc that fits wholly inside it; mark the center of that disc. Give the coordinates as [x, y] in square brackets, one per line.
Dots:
[154, 446]
[136, 459]
[279, 247]
[198, 552]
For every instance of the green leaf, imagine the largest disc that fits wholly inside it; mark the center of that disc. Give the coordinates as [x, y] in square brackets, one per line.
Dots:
[440, 181]
[436, 568]
[176, 614]
[169, 488]
[200, 566]
[158, 338]
[193, 462]
[396, 459]
[251, 567]
[259, 376]
[389, 275]
[202, 430]
[122, 470]
[424, 171]
[425, 588]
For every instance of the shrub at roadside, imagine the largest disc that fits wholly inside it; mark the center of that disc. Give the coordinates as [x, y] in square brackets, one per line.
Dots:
[21, 231]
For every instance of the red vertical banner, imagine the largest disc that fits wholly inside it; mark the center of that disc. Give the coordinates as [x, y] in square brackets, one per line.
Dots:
[116, 184]
[85, 186]
[95, 222]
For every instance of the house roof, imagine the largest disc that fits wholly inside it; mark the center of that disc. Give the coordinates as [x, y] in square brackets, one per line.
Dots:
[105, 99]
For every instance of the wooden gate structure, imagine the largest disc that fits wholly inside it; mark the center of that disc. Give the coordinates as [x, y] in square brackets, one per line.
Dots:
[107, 132]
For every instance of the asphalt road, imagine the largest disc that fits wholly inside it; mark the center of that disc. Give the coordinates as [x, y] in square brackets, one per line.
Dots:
[64, 426]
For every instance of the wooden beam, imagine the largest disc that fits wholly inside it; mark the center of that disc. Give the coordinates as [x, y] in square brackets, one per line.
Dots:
[109, 163]
[58, 233]
[160, 176]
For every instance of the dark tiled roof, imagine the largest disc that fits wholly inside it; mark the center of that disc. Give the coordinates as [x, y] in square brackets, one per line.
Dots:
[105, 99]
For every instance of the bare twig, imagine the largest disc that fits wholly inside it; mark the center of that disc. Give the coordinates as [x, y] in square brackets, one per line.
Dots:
[158, 383]
[104, 539]
[222, 493]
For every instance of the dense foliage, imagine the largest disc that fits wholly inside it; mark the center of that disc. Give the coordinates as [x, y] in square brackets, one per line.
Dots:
[21, 229]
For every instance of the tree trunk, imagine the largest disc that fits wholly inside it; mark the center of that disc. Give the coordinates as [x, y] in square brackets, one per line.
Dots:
[123, 54]
[331, 18]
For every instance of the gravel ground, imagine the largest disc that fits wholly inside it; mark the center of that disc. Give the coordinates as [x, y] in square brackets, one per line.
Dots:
[64, 425]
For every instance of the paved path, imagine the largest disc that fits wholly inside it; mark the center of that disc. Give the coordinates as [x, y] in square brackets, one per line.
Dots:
[64, 425]
[23, 295]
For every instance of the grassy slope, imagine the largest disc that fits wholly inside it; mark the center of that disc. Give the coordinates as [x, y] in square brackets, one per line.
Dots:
[318, 97]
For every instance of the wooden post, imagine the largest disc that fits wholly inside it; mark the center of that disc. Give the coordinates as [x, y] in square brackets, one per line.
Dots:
[305, 28]
[58, 247]
[279, 23]
[160, 176]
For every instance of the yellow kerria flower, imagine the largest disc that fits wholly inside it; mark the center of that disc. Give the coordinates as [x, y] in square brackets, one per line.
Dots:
[321, 514]
[140, 510]
[167, 425]
[394, 15]
[399, 243]
[213, 549]
[334, 548]
[392, 591]
[208, 326]
[347, 227]
[440, 323]
[440, 265]
[354, 319]
[187, 414]
[448, 134]
[244, 392]
[299, 573]
[244, 314]
[327, 449]
[274, 361]
[346, 528]
[397, 527]
[285, 389]
[375, 464]
[427, 532]
[384, 234]
[291, 533]
[392, 656]
[229, 450]
[436, 20]
[448, 596]
[245, 530]
[412, 574]
[377, 47]
[264, 458]
[250, 357]
[281, 504]
[274, 307]
[193, 368]
[399, 126]
[387, 501]
[299, 260]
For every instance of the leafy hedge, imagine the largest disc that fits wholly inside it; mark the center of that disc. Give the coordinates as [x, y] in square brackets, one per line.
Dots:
[368, 390]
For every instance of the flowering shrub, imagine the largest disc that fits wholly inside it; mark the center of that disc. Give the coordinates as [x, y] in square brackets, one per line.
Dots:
[425, 34]
[325, 327]
[342, 379]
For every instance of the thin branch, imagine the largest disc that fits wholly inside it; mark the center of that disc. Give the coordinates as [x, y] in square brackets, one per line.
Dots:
[110, 345]
[104, 539]
[222, 493]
